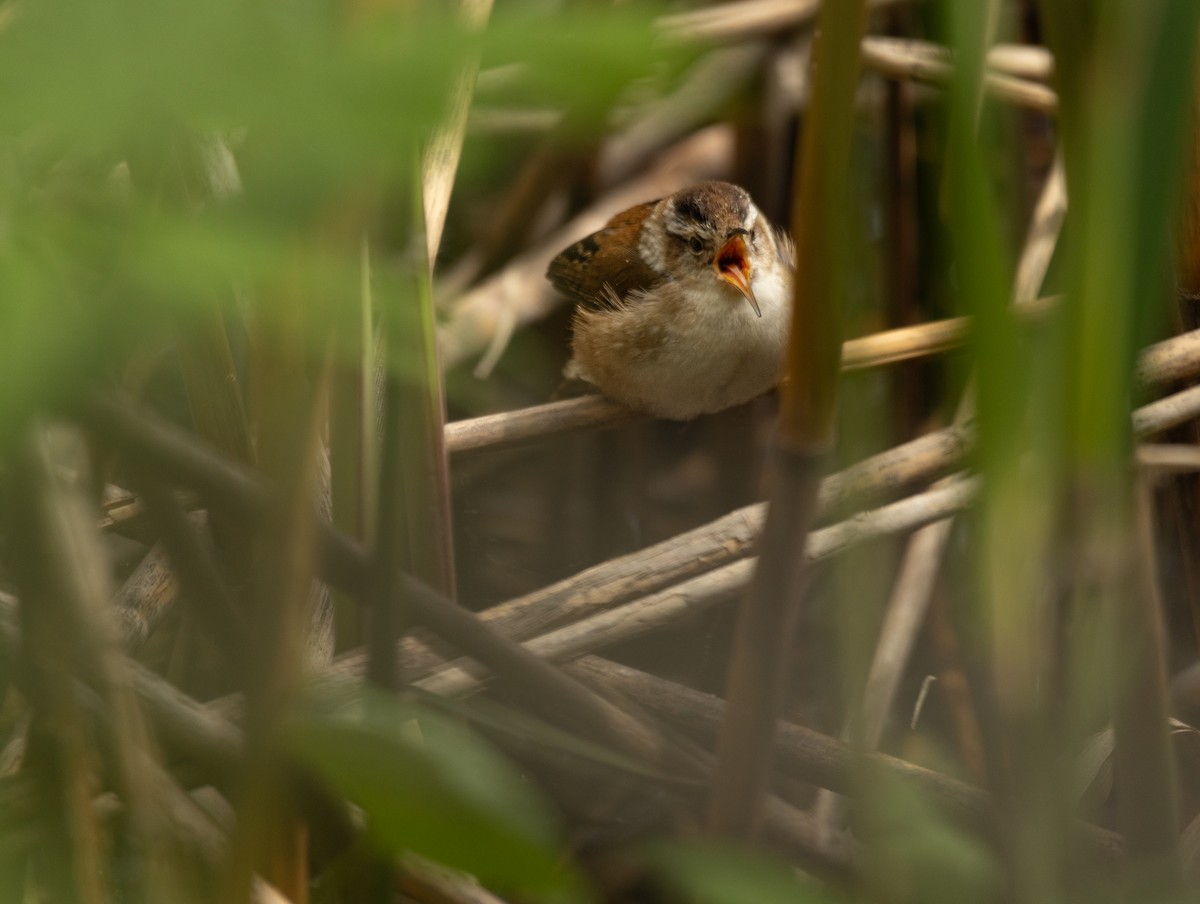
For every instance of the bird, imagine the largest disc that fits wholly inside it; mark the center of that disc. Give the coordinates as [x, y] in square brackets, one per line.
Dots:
[683, 303]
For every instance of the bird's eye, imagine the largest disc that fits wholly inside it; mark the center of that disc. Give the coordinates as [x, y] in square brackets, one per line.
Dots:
[696, 245]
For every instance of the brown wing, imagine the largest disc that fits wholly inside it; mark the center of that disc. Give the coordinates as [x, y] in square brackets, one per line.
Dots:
[608, 257]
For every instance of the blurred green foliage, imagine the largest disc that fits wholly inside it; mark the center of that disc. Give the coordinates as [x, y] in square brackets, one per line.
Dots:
[709, 873]
[429, 786]
[118, 210]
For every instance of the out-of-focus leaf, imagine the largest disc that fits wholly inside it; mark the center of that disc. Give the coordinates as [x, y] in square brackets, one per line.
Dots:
[324, 110]
[914, 853]
[523, 727]
[437, 791]
[581, 60]
[715, 874]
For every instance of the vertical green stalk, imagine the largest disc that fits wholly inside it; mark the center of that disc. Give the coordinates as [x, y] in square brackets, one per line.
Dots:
[353, 437]
[1010, 626]
[1126, 76]
[269, 837]
[805, 429]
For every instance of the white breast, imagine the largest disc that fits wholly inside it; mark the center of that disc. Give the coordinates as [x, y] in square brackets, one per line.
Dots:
[678, 357]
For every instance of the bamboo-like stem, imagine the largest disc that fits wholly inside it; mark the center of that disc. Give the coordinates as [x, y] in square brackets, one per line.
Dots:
[731, 537]
[804, 429]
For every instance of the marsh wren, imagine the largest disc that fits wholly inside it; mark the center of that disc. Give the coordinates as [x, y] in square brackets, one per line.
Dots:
[683, 302]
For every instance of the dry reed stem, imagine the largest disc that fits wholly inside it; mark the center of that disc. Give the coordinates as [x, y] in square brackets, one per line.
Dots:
[1048, 217]
[423, 880]
[1161, 458]
[713, 84]
[810, 755]
[178, 455]
[145, 598]
[345, 564]
[694, 552]
[713, 588]
[1167, 412]
[513, 428]
[212, 605]
[728, 22]
[1171, 359]
[923, 62]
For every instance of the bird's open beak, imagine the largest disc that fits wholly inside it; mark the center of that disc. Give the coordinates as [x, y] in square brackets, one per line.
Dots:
[732, 264]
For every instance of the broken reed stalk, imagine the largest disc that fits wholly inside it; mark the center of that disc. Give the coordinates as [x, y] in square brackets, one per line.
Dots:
[345, 564]
[197, 733]
[706, 548]
[805, 427]
[654, 568]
